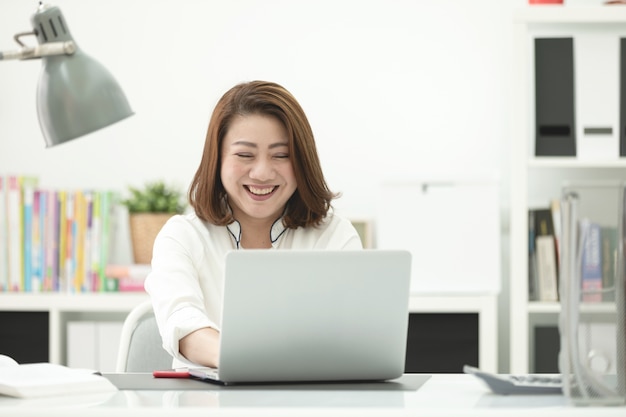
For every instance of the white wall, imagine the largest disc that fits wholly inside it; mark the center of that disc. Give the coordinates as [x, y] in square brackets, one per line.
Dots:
[394, 89]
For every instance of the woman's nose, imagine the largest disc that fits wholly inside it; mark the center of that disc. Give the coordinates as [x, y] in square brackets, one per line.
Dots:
[262, 170]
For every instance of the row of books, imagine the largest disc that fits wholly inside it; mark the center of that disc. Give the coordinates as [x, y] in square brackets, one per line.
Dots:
[54, 240]
[597, 257]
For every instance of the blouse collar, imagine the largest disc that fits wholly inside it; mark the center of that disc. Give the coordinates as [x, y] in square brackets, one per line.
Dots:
[276, 231]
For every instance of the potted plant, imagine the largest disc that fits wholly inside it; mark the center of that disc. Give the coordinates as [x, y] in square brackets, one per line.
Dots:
[148, 210]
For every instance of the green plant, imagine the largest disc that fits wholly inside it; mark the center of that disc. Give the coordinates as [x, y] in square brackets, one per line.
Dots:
[155, 197]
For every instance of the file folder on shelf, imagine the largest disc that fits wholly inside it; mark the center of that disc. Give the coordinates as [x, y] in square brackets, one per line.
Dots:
[622, 97]
[555, 132]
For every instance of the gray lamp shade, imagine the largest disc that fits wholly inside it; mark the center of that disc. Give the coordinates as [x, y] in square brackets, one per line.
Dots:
[76, 95]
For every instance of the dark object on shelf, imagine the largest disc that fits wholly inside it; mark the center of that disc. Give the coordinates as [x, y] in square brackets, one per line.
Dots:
[24, 335]
[622, 97]
[547, 347]
[441, 342]
[555, 133]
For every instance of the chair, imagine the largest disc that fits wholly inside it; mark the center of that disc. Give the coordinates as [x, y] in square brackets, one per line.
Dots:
[140, 348]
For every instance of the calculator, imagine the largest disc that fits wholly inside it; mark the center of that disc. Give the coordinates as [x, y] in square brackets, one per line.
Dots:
[531, 384]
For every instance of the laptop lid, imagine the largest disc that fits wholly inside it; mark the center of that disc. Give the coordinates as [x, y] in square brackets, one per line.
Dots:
[313, 315]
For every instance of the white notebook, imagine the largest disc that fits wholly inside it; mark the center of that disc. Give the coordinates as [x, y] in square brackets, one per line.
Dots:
[47, 379]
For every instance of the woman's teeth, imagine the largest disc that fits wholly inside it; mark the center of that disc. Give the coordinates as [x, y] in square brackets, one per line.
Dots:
[261, 191]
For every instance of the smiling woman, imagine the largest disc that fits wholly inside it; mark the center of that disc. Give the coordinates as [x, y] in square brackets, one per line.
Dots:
[257, 174]
[259, 186]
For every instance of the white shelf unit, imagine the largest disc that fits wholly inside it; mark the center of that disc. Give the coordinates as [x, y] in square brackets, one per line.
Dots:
[115, 306]
[63, 308]
[533, 177]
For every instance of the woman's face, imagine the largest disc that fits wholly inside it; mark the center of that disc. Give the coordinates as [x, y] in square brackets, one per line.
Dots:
[256, 171]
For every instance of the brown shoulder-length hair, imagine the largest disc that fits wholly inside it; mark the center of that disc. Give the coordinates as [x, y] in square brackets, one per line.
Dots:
[311, 201]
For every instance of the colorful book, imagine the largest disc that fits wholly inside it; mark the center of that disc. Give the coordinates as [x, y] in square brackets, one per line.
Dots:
[70, 241]
[88, 282]
[28, 186]
[36, 260]
[49, 238]
[547, 275]
[62, 245]
[610, 240]
[107, 207]
[555, 210]
[4, 250]
[591, 261]
[14, 231]
[129, 277]
[96, 237]
[78, 230]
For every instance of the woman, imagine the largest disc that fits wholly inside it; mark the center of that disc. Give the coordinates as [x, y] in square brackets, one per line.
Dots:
[259, 185]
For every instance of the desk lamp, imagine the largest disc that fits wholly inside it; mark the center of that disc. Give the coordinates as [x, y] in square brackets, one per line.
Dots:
[76, 95]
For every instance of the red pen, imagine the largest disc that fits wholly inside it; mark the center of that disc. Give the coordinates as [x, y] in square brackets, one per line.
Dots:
[171, 373]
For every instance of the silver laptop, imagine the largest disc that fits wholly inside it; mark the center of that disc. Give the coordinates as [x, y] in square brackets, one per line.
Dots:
[304, 316]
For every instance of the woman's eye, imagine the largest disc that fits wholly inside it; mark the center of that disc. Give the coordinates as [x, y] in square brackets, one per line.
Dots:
[281, 156]
[244, 155]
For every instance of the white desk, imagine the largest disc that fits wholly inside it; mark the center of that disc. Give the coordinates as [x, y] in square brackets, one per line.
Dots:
[412, 395]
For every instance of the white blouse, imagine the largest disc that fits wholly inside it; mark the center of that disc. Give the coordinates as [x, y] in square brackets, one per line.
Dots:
[187, 279]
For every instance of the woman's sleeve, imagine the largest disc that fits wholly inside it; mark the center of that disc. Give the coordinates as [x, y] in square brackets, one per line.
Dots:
[174, 286]
[340, 234]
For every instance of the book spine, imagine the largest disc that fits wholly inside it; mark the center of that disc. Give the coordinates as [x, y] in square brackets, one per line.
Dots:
[87, 271]
[533, 285]
[14, 215]
[47, 214]
[59, 241]
[96, 237]
[555, 210]
[106, 211]
[79, 241]
[547, 261]
[591, 262]
[37, 242]
[65, 239]
[609, 262]
[546, 267]
[4, 241]
[70, 240]
[28, 197]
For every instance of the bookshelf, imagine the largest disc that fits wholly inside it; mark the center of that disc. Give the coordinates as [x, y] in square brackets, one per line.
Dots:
[64, 308]
[533, 180]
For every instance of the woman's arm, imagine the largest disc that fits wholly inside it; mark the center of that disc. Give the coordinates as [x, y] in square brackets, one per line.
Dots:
[182, 302]
[201, 346]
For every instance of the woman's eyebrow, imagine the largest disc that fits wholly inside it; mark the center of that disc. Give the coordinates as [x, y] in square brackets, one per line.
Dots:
[244, 143]
[254, 145]
[279, 144]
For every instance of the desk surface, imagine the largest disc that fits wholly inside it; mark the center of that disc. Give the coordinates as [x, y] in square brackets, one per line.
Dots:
[413, 394]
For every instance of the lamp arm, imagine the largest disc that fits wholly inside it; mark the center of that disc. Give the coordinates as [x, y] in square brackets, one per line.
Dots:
[46, 49]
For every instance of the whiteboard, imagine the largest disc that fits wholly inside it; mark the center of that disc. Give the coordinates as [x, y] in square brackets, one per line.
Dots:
[452, 230]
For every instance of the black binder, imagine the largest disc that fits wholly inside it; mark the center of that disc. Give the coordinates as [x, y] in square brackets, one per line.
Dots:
[622, 97]
[555, 128]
